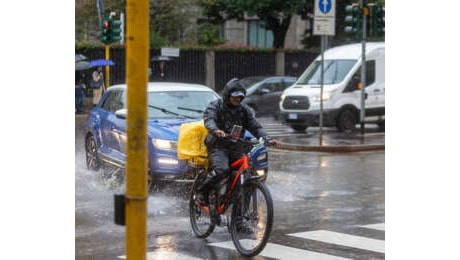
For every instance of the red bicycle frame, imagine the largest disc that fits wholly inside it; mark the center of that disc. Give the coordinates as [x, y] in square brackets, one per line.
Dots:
[243, 164]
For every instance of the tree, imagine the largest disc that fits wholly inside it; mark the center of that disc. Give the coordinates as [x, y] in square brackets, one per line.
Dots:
[169, 23]
[277, 14]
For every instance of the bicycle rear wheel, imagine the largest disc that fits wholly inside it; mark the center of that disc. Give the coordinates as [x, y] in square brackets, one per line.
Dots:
[200, 217]
[256, 215]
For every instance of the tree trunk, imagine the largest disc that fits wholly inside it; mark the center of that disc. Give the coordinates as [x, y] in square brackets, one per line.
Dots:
[279, 27]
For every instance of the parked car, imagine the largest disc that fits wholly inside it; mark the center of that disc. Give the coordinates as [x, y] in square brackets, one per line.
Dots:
[263, 93]
[169, 105]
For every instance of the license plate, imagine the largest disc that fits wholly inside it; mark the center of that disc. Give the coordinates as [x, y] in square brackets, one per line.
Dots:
[292, 116]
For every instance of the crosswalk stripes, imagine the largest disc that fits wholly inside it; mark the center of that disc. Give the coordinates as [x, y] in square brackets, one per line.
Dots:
[159, 254]
[284, 252]
[277, 251]
[344, 240]
[379, 226]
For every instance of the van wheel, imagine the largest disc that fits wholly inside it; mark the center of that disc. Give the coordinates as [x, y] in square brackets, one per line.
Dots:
[299, 128]
[347, 121]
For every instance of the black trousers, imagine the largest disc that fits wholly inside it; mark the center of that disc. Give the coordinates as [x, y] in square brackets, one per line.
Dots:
[220, 159]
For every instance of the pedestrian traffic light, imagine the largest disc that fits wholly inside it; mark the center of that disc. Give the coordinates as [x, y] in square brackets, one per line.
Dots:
[353, 20]
[105, 31]
[115, 31]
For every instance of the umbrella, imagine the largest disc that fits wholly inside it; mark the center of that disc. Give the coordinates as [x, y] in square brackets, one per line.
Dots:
[161, 58]
[80, 57]
[82, 65]
[101, 62]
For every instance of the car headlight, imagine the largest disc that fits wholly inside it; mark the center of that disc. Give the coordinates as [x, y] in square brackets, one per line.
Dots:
[326, 96]
[282, 97]
[164, 144]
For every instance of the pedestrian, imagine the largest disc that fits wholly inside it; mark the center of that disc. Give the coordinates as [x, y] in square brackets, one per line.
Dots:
[79, 93]
[97, 84]
[220, 117]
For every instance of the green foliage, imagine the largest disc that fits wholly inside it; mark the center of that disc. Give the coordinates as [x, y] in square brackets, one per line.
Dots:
[208, 35]
[156, 41]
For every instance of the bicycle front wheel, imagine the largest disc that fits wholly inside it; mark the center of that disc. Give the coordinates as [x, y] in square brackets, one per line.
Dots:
[252, 220]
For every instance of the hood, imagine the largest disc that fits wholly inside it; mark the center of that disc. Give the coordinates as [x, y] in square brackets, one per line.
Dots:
[166, 128]
[232, 86]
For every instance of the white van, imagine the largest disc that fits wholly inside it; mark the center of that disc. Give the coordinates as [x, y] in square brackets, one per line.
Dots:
[300, 103]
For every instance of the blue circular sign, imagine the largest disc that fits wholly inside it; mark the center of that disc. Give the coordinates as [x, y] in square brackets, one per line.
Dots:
[325, 6]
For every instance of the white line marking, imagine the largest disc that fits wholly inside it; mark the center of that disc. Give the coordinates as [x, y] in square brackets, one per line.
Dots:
[379, 226]
[159, 254]
[344, 240]
[284, 252]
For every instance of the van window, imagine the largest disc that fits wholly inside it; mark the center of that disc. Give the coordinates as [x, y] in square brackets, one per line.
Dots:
[334, 72]
[370, 77]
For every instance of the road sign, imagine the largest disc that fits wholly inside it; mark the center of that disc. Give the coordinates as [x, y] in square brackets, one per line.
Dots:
[324, 20]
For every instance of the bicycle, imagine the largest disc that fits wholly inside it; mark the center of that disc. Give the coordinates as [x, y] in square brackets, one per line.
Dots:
[244, 192]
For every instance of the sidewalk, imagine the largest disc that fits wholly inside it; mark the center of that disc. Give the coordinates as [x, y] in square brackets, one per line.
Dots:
[330, 141]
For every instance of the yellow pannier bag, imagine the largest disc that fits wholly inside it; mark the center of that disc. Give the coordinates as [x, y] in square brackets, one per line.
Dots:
[190, 146]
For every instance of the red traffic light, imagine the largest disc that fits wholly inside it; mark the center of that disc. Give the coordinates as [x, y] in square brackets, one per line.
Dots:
[106, 24]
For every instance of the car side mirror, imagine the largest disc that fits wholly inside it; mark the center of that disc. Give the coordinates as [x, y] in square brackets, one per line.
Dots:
[121, 113]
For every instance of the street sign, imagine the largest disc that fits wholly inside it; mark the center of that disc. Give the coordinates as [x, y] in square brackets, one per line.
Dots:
[171, 52]
[324, 20]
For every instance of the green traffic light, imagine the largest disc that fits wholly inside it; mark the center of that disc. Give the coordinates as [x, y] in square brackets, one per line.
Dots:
[115, 30]
[353, 20]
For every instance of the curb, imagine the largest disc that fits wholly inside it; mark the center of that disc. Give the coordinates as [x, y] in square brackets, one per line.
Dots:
[332, 149]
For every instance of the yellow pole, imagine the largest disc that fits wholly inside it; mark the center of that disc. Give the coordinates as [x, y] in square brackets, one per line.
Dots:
[137, 58]
[107, 68]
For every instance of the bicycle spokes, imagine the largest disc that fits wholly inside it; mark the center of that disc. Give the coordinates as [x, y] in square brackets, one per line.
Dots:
[252, 221]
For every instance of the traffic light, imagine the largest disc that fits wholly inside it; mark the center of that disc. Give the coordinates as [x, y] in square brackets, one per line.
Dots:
[353, 20]
[105, 31]
[110, 31]
[380, 20]
[115, 31]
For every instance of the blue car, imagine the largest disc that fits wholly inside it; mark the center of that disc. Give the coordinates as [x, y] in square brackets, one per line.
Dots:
[169, 105]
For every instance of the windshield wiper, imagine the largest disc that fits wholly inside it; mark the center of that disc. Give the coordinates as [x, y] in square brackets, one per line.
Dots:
[191, 109]
[170, 112]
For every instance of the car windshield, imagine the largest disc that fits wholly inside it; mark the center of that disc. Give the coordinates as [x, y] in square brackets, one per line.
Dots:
[334, 72]
[179, 104]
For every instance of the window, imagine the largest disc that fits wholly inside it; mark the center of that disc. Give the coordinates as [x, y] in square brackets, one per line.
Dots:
[356, 79]
[114, 101]
[258, 36]
[334, 72]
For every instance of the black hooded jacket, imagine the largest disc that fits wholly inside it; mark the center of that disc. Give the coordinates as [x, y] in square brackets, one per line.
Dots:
[221, 115]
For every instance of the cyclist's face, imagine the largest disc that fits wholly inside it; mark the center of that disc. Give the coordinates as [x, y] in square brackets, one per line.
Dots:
[235, 100]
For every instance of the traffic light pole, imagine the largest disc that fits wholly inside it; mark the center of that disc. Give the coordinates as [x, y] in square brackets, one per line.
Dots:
[107, 68]
[364, 14]
[137, 63]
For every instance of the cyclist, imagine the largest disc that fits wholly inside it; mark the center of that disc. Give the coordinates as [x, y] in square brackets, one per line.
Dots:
[219, 118]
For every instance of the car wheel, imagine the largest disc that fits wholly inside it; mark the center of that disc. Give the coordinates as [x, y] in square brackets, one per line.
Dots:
[299, 128]
[347, 121]
[92, 160]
